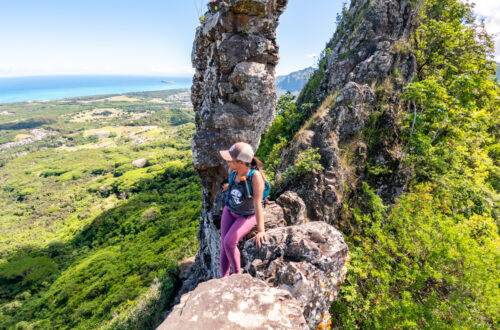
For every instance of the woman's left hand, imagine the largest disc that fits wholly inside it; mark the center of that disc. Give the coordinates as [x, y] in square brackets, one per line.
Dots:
[259, 238]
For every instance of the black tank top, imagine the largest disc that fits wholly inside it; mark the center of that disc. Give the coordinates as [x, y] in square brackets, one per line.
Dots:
[238, 201]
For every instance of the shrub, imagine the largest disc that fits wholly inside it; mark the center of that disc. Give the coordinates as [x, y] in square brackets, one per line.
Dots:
[287, 122]
[305, 162]
[420, 265]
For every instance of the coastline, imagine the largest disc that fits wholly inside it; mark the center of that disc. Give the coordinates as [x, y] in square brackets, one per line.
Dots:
[55, 88]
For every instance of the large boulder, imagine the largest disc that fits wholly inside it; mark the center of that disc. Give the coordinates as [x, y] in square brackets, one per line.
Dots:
[139, 163]
[273, 218]
[238, 301]
[307, 260]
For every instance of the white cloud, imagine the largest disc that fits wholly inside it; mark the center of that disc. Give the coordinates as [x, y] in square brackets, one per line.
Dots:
[490, 11]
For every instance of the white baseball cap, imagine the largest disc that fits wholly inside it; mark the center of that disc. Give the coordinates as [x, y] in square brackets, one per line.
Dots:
[238, 151]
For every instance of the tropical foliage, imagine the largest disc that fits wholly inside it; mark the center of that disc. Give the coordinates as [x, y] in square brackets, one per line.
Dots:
[431, 260]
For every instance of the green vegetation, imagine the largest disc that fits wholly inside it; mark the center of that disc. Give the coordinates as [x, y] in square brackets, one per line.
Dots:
[423, 264]
[289, 119]
[431, 260]
[286, 123]
[28, 123]
[86, 239]
[273, 161]
[309, 93]
[305, 162]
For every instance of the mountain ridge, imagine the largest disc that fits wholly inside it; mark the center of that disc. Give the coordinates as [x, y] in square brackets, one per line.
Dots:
[294, 81]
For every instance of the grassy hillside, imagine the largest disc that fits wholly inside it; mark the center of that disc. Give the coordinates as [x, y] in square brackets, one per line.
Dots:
[85, 235]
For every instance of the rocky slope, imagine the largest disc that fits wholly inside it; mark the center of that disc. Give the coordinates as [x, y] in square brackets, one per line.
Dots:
[366, 64]
[303, 264]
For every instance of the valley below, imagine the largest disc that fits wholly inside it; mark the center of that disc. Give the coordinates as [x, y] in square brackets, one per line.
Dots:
[98, 203]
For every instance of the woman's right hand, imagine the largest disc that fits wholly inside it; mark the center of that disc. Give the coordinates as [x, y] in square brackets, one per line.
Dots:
[224, 187]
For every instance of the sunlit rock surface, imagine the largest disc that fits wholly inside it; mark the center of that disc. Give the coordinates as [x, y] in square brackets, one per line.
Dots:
[307, 260]
[238, 301]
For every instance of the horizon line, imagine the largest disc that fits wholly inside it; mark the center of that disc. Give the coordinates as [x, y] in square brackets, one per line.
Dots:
[97, 74]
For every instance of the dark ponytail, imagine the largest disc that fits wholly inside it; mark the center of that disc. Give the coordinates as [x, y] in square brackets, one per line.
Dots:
[255, 164]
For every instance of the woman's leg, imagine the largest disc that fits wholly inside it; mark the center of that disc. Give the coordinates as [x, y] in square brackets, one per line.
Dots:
[242, 226]
[227, 221]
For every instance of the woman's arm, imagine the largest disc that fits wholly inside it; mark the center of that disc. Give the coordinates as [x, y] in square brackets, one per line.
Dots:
[258, 191]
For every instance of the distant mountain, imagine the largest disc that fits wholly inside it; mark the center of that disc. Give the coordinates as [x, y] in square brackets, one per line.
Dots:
[294, 81]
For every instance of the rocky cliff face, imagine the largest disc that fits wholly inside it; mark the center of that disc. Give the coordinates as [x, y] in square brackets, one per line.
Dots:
[366, 65]
[307, 260]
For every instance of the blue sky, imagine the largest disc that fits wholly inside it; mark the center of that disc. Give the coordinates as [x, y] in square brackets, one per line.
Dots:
[135, 37]
[149, 37]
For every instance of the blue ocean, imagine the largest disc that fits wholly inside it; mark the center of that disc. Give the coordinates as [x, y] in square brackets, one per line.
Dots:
[38, 88]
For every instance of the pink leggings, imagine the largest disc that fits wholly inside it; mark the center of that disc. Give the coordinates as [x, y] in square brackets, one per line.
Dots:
[233, 228]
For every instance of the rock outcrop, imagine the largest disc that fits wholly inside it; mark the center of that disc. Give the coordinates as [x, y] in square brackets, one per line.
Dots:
[294, 208]
[307, 260]
[233, 96]
[238, 301]
[273, 214]
[139, 163]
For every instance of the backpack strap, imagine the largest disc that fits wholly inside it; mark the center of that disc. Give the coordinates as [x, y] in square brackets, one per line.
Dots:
[231, 178]
[250, 174]
[249, 179]
[267, 185]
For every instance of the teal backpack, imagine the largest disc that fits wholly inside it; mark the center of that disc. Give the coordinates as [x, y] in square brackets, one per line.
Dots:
[267, 185]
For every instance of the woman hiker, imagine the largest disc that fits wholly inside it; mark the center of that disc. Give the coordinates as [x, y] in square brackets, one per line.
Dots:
[243, 207]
